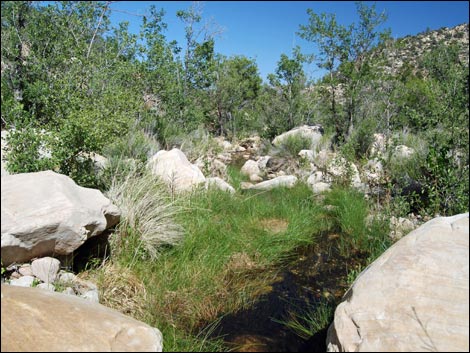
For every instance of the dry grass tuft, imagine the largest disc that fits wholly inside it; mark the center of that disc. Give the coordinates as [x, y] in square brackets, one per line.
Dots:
[119, 289]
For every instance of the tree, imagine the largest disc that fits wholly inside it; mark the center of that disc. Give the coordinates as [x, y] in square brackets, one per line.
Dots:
[344, 53]
[289, 81]
[236, 86]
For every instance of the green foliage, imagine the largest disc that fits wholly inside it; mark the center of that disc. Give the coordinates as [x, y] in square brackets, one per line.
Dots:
[293, 144]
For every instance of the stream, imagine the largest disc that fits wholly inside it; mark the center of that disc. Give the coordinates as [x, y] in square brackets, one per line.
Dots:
[316, 273]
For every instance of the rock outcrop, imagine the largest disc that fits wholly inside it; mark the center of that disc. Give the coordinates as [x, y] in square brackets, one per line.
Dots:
[39, 320]
[414, 297]
[46, 213]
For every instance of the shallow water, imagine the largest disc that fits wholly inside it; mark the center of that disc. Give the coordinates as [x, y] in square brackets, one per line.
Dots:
[315, 273]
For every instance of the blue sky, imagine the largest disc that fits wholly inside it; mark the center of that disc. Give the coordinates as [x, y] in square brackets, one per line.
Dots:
[263, 30]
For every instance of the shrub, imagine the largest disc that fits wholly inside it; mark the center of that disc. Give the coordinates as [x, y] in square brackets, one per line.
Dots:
[293, 144]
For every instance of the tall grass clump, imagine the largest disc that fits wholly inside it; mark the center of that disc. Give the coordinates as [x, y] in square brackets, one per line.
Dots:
[147, 215]
[350, 215]
[310, 320]
[348, 211]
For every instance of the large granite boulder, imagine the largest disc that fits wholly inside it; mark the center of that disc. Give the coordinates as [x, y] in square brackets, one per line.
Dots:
[38, 320]
[175, 170]
[46, 213]
[414, 297]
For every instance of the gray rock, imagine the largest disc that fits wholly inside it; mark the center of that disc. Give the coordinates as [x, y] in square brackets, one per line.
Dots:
[46, 213]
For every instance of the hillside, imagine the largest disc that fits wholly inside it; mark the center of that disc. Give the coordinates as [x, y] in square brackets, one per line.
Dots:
[406, 51]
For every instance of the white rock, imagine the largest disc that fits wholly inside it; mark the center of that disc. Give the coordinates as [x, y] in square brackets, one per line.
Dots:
[255, 178]
[311, 132]
[46, 269]
[25, 270]
[402, 151]
[46, 213]
[341, 168]
[320, 187]
[175, 170]
[315, 178]
[69, 291]
[46, 286]
[24, 281]
[250, 168]
[287, 181]
[414, 297]
[262, 161]
[91, 295]
[67, 277]
[220, 184]
[307, 154]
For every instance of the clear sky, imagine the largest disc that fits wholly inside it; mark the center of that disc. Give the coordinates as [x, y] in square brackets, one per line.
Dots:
[263, 30]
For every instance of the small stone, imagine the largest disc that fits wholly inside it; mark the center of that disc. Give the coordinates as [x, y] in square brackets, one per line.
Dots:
[25, 270]
[25, 281]
[92, 295]
[69, 291]
[67, 277]
[46, 286]
[46, 269]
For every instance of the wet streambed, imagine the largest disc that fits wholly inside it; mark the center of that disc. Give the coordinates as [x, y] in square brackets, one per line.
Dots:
[315, 274]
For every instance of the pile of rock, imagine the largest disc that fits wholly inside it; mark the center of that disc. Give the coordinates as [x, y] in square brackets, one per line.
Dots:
[45, 273]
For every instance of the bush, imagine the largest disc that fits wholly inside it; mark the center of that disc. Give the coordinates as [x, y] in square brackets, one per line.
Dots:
[293, 144]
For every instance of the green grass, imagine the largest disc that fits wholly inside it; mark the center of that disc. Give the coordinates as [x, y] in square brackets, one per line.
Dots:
[311, 320]
[226, 258]
[227, 251]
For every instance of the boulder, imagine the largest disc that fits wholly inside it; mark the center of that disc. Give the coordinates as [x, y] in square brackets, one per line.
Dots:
[287, 181]
[414, 297]
[219, 184]
[46, 213]
[175, 170]
[314, 133]
[40, 320]
[250, 168]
